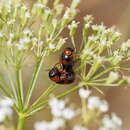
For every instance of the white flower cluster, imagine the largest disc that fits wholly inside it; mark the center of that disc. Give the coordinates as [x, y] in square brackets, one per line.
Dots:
[59, 110]
[60, 113]
[125, 45]
[55, 124]
[5, 108]
[83, 93]
[78, 127]
[115, 123]
[94, 102]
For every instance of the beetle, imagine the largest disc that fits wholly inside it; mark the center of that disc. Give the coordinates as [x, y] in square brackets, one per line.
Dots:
[67, 57]
[60, 75]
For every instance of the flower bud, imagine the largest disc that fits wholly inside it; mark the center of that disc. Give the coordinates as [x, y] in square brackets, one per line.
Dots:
[73, 27]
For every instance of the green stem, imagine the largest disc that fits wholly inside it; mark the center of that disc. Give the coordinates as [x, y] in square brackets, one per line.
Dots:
[34, 79]
[73, 43]
[21, 123]
[19, 86]
[42, 105]
[44, 94]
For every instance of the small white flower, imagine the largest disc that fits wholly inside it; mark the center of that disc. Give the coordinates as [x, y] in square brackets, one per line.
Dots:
[125, 45]
[5, 108]
[99, 28]
[9, 43]
[43, 125]
[57, 107]
[83, 93]
[73, 25]
[20, 46]
[104, 106]
[51, 46]
[25, 40]
[88, 52]
[56, 124]
[68, 12]
[128, 79]
[95, 103]
[116, 119]
[99, 59]
[6, 102]
[11, 21]
[68, 113]
[27, 31]
[11, 35]
[113, 123]
[1, 34]
[40, 5]
[78, 127]
[34, 39]
[113, 76]
[86, 25]
[40, 43]
[27, 14]
[103, 41]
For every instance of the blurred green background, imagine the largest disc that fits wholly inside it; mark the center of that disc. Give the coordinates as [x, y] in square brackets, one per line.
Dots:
[110, 12]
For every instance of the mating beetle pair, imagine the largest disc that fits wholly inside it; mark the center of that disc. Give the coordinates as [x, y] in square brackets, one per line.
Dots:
[62, 72]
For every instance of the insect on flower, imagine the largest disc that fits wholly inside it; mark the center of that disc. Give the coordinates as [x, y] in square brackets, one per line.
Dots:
[67, 57]
[60, 75]
[62, 72]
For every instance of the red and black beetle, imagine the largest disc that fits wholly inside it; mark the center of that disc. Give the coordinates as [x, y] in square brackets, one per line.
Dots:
[62, 72]
[67, 56]
[61, 76]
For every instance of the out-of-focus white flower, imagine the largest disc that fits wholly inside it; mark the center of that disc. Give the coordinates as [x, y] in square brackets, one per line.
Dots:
[99, 28]
[74, 24]
[83, 93]
[27, 14]
[55, 103]
[125, 45]
[6, 102]
[59, 110]
[116, 119]
[43, 125]
[11, 35]
[114, 123]
[52, 46]
[113, 76]
[1, 34]
[9, 43]
[20, 46]
[5, 108]
[56, 124]
[88, 52]
[24, 40]
[78, 127]
[68, 113]
[57, 106]
[40, 5]
[40, 43]
[95, 103]
[11, 21]
[27, 32]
